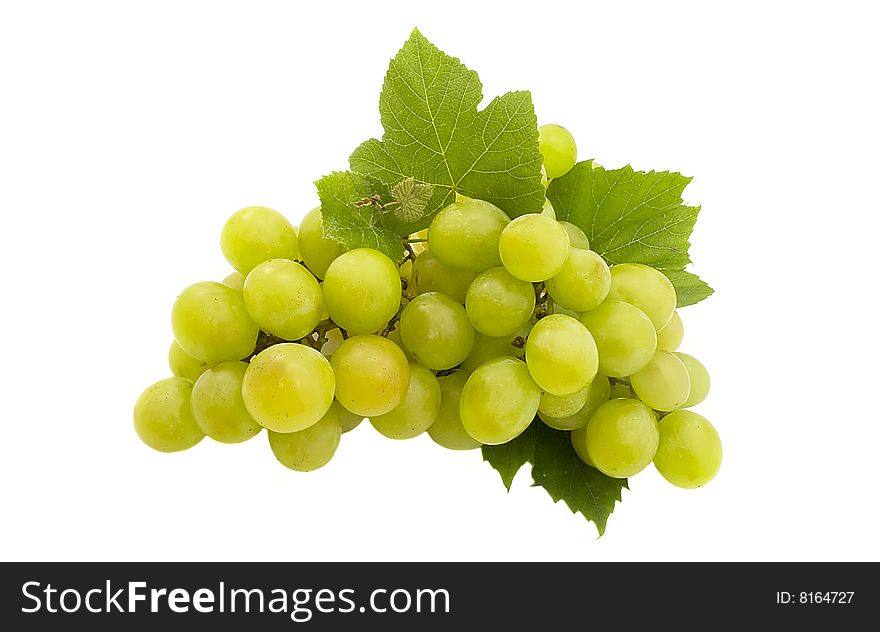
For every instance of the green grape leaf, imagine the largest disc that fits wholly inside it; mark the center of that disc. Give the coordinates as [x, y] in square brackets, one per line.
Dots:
[689, 288]
[411, 199]
[509, 457]
[435, 134]
[557, 468]
[633, 217]
[351, 217]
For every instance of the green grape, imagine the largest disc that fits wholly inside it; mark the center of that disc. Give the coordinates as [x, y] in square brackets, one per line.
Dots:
[256, 234]
[430, 275]
[163, 418]
[545, 181]
[218, 405]
[646, 288]
[664, 383]
[624, 336]
[669, 338]
[349, 420]
[576, 237]
[561, 355]
[309, 449]
[394, 336]
[597, 394]
[622, 437]
[582, 283]
[211, 323]
[418, 409]
[548, 209]
[561, 406]
[698, 377]
[579, 443]
[405, 270]
[689, 454]
[235, 281]
[556, 308]
[489, 347]
[498, 304]
[288, 387]
[283, 298]
[317, 251]
[465, 235]
[533, 247]
[184, 365]
[447, 430]
[558, 149]
[436, 331]
[372, 375]
[499, 401]
[362, 290]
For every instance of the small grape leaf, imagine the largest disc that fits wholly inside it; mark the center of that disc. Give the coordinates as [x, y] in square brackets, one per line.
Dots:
[689, 288]
[411, 199]
[353, 223]
[557, 468]
[632, 217]
[435, 134]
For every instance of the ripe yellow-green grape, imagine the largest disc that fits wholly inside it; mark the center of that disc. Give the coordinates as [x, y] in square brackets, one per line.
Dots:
[447, 430]
[533, 247]
[622, 437]
[163, 418]
[347, 419]
[256, 234]
[218, 405]
[498, 304]
[235, 280]
[558, 148]
[560, 406]
[664, 383]
[579, 443]
[490, 347]
[211, 323]
[576, 237]
[561, 355]
[429, 274]
[309, 449]
[646, 288]
[624, 336]
[436, 331]
[184, 365]
[288, 387]
[465, 235]
[698, 377]
[598, 393]
[418, 409]
[689, 454]
[317, 250]
[283, 298]
[583, 282]
[372, 375]
[548, 209]
[362, 290]
[499, 401]
[669, 338]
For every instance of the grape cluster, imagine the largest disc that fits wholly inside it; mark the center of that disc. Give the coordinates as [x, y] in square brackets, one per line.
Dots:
[488, 323]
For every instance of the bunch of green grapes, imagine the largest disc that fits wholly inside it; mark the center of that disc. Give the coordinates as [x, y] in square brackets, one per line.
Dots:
[488, 324]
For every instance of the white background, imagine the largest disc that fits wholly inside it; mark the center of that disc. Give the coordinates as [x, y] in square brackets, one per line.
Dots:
[130, 131]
